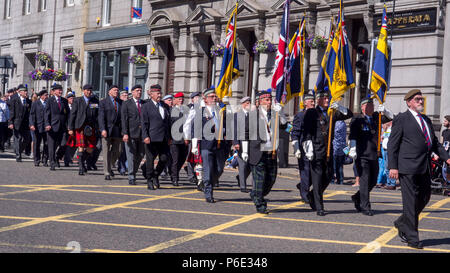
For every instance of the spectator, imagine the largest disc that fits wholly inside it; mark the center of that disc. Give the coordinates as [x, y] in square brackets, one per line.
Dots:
[4, 116]
[390, 183]
[339, 143]
[356, 172]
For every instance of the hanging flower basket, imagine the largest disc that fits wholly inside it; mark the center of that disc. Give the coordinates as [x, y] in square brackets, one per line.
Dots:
[48, 74]
[137, 59]
[217, 50]
[35, 75]
[263, 46]
[43, 57]
[317, 41]
[60, 75]
[71, 58]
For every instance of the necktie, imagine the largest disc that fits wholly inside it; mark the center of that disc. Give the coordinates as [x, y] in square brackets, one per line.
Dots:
[115, 105]
[23, 101]
[139, 106]
[424, 130]
[59, 103]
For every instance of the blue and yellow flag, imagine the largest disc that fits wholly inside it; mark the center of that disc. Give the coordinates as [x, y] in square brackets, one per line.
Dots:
[380, 72]
[295, 83]
[230, 61]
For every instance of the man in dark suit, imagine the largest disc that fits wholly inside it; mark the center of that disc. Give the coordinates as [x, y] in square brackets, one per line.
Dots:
[298, 127]
[69, 151]
[37, 125]
[156, 135]
[56, 116]
[19, 121]
[410, 145]
[131, 114]
[241, 125]
[315, 144]
[364, 143]
[260, 151]
[109, 121]
[83, 124]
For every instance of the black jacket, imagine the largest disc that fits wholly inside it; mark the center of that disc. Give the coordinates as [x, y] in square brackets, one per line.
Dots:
[209, 137]
[298, 127]
[108, 117]
[153, 125]
[83, 113]
[407, 148]
[37, 116]
[19, 113]
[131, 119]
[57, 117]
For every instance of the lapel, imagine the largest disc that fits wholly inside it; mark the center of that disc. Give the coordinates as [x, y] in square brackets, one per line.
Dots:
[413, 120]
[156, 110]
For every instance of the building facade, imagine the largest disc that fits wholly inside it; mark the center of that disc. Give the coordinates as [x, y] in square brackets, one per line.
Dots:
[177, 36]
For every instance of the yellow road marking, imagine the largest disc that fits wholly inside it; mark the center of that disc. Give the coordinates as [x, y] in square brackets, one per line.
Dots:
[389, 235]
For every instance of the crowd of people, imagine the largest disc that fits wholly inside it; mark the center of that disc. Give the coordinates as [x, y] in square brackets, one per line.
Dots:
[132, 133]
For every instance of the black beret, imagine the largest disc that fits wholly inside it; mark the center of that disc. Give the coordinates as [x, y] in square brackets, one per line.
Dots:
[113, 86]
[87, 86]
[136, 86]
[42, 93]
[56, 86]
[412, 93]
[22, 87]
[156, 86]
[10, 91]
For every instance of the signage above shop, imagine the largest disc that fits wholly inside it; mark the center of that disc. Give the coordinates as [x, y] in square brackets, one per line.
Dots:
[408, 21]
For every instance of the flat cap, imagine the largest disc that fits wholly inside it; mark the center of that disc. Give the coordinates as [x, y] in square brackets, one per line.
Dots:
[155, 87]
[245, 99]
[179, 95]
[166, 97]
[87, 87]
[195, 94]
[57, 86]
[208, 91]
[412, 93]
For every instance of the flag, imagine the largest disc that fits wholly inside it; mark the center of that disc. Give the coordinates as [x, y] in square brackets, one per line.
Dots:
[339, 71]
[380, 72]
[136, 12]
[295, 86]
[230, 61]
[282, 59]
[322, 83]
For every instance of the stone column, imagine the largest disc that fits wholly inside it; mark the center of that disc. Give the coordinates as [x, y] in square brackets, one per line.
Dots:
[445, 86]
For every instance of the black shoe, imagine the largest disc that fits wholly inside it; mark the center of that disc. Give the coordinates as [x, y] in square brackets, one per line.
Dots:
[80, 172]
[356, 202]
[36, 164]
[18, 159]
[367, 212]
[132, 182]
[245, 190]
[321, 212]
[210, 200]
[150, 185]
[156, 182]
[45, 164]
[401, 234]
[111, 173]
[418, 245]
[262, 210]
[175, 183]
[107, 177]
[52, 168]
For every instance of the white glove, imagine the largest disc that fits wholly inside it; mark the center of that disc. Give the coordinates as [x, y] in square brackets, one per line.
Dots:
[194, 149]
[245, 150]
[226, 100]
[277, 107]
[338, 107]
[381, 108]
[386, 112]
[309, 150]
[297, 152]
[352, 152]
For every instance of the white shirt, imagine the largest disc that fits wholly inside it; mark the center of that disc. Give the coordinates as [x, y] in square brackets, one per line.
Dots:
[266, 146]
[160, 108]
[43, 102]
[4, 111]
[414, 113]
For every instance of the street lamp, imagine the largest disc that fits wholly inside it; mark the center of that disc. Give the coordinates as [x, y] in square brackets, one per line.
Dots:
[6, 63]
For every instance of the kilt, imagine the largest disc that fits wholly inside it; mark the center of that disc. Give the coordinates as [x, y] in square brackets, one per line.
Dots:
[195, 159]
[80, 140]
[264, 176]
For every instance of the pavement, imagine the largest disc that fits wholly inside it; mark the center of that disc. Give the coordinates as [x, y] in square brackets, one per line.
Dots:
[43, 211]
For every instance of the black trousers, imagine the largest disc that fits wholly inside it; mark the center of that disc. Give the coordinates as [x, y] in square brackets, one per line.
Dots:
[3, 134]
[321, 173]
[416, 192]
[55, 140]
[153, 150]
[38, 155]
[367, 180]
[22, 138]
[178, 154]
[305, 177]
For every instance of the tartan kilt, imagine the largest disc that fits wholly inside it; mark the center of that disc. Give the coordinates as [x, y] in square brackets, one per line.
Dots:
[80, 140]
[195, 159]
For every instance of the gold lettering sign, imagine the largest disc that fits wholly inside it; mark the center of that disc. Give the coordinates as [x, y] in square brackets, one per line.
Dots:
[415, 19]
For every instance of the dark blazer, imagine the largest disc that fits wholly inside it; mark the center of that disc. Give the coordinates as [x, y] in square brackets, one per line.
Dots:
[298, 127]
[131, 119]
[316, 129]
[207, 142]
[37, 116]
[366, 135]
[153, 125]
[54, 116]
[107, 115]
[81, 113]
[407, 149]
[19, 114]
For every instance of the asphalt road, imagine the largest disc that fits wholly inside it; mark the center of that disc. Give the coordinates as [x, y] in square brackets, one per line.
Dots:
[46, 212]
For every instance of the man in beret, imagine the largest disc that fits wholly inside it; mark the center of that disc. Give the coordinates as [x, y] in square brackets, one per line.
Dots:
[168, 100]
[315, 145]
[241, 131]
[364, 141]
[122, 161]
[410, 145]
[70, 151]
[109, 121]
[37, 125]
[83, 124]
[19, 121]
[297, 138]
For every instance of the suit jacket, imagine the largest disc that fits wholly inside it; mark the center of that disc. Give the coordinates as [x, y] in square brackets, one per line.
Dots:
[57, 117]
[19, 113]
[407, 148]
[298, 127]
[366, 135]
[258, 135]
[317, 127]
[153, 125]
[108, 117]
[82, 113]
[131, 119]
[37, 116]
[207, 141]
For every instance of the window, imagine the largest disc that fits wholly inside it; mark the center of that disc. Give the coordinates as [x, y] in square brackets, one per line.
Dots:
[7, 9]
[42, 5]
[27, 7]
[136, 4]
[70, 3]
[68, 69]
[106, 12]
